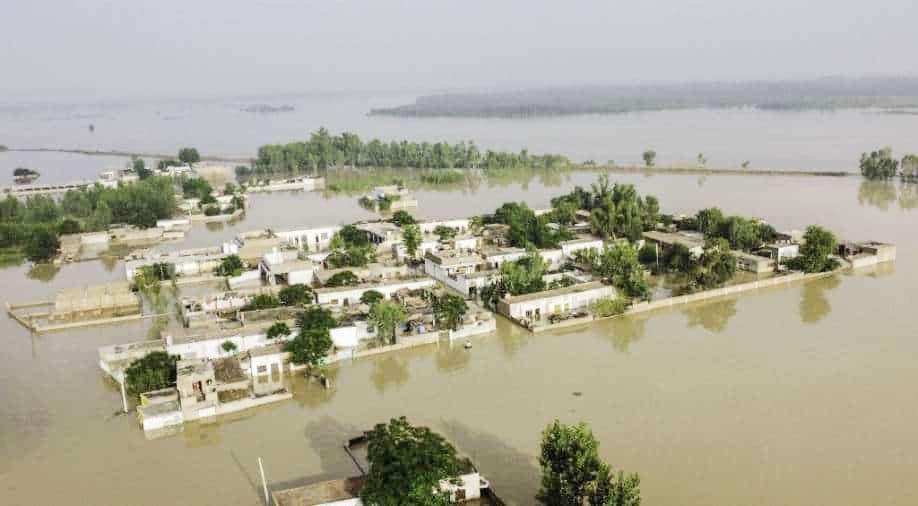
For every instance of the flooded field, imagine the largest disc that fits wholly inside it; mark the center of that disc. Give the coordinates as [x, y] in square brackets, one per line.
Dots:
[794, 396]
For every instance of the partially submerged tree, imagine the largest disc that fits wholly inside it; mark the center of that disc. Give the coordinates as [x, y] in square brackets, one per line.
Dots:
[386, 316]
[650, 157]
[573, 472]
[716, 266]
[879, 164]
[313, 340]
[154, 371]
[449, 310]
[42, 245]
[818, 244]
[407, 464]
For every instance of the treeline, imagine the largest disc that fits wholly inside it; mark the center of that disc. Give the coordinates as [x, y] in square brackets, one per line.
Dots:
[323, 150]
[881, 164]
[830, 93]
[36, 223]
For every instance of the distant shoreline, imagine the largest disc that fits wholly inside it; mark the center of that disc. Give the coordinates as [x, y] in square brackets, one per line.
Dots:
[618, 169]
[114, 152]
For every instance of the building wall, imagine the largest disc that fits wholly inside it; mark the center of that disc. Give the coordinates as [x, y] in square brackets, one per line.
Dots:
[212, 348]
[552, 304]
[461, 224]
[571, 249]
[314, 239]
[352, 295]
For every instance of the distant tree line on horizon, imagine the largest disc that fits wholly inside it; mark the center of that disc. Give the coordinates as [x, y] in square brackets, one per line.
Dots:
[826, 93]
[323, 150]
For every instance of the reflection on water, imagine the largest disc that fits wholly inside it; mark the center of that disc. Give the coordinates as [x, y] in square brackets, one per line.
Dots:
[309, 392]
[389, 370]
[814, 305]
[882, 194]
[43, 272]
[513, 473]
[452, 356]
[877, 194]
[625, 330]
[712, 316]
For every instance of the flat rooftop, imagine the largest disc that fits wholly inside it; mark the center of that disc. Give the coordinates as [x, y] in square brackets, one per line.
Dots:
[685, 239]
[320, 493]
[582, 287]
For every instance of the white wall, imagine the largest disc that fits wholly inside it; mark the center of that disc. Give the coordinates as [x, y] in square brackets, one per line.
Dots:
[352, 294]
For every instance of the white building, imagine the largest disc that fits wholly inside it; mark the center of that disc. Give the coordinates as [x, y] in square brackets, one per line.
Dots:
[461, 225]
[311, 239]
[534, 307]
[350, 295]
[570, 248]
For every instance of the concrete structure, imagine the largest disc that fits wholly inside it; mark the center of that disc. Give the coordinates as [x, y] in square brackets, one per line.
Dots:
[111, 299]
[382, 233]
[186, 263]
[303, 183]
[461, 225]
[494, 257]
[112, 178]
[350, 295]
[780, 252]
[693, 241]
[753, 263]
[570, 248]
[311, 239]
[533, 307]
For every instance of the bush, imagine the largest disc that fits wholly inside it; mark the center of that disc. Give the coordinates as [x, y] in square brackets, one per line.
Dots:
[293, 295]
[609, 307]
[344, 278]
[154, 371]
[228, 346]
[231, 266]
[371, 297]
[647, 254]
[68, 226]
[42, 244]
[262, 301]
[279, 329]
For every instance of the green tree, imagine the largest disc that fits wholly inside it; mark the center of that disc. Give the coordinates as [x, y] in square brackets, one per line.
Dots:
[371, 297]
[570, 464]
[623, 490]
[524, 275]
[879, 164]
[156, 370]
[278, 329]
[140, 168]
[343, 278]
[909, 167]
[313, 340]
[407, 464]
[386, 316]
[709, 221]
[262, 301]
[189, 155]
[228, 346]
[619, 265]
[818, 244]
[716, 266]
[650, 157]
[702, 161]
[68, 226]
[402, 218]
[294, 295]
[309, 347]
[230, 266]
[449, 310]
[411, 234]
[42, 244]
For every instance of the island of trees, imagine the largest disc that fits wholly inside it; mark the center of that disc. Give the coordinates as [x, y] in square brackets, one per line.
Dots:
[323, 150]
[881, 164]
[829, 93]
[33, 227]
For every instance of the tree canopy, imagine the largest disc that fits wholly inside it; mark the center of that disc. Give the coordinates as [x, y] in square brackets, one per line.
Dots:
[411, 235]
[407, 464]
[154, 371]
[313, 340]
[879, 164]
[386, 316]
[619, 265]
[449, 310]
[818, 244]
[343, 278]
[189, 155]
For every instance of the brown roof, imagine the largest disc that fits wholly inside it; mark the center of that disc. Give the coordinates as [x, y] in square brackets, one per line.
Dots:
[319, 493]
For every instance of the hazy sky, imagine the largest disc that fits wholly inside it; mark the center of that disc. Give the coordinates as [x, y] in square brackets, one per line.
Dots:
[194, 48]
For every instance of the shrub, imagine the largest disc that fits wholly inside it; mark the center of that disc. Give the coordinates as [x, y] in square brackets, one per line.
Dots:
[228, 346]
[609, 306]
[279, 329]
[154, 371]
[344, 278]
[293, 295]
[371, 297]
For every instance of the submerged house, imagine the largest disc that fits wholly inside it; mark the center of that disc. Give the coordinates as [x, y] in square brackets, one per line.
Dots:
[534, 307]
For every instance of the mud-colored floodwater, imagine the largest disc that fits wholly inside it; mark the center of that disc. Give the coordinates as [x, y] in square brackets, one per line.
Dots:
[795, 396]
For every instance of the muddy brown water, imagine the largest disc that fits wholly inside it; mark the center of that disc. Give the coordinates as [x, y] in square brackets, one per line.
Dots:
[795, 396]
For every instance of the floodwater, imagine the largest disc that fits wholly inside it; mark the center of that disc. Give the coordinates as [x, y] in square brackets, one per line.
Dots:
[795, 396]
[808, 140]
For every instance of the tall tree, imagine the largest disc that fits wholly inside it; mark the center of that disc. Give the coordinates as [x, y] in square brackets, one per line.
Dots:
[879, 164]
[650, 158]
[411, 234]
[570, 464]
[818, 244]
[407, 464]
[189, 155]
[386, 316]
[449, 310]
